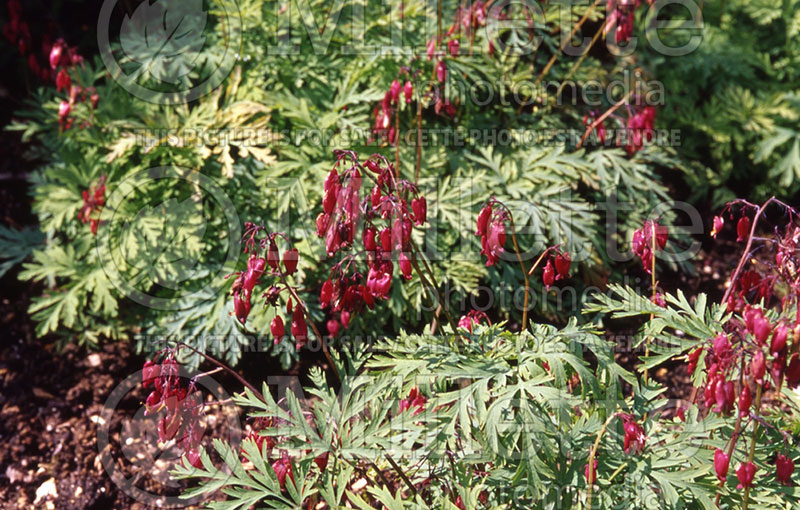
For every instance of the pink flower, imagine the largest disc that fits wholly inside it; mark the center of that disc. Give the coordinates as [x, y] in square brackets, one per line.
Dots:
[742, 228]
[277, 328]
[563, 262]
[283, 469]
[721, 463]
[719, 222]
[548, 275]
[745, 401]
[441, 71]
[419, 206]
[290, 258]
[758, 367]
[415, 401]
[634, 439]
[63, 80]
[299, 327]
[591, 475]
[784, 467]
[408, 91]
[405, 265]
[745, 473]
[453, 46]
[333, 327]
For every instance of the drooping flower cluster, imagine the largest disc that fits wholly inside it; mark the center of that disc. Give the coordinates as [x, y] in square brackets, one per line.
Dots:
[93, 200]
[650, 237]
[599, 129]
[472, 319]
[266, 259]
[179, 403]
[557, 268]
[641, 123]
[415, 402]
[634, 439]
[391, 104]
[492, 230]
[385, 218]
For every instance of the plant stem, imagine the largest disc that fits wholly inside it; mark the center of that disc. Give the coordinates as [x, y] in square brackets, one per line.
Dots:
[601, 118]
[310, 322]
[225, 367]
[751, 455]
[759, 210]
[524, 274]
[580, 60]
[592, 454]
[652, 293]
[564, 43]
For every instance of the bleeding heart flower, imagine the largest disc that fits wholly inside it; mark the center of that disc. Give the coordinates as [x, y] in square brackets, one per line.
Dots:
[431, 48]
[441, 71]
[290, 258]
[634, 436]
[563, 262]
[56, 53]
[394, 91]
[326, 294]
[721, 463]
[548, 275]
[758, 367]
[415, 401]
[784, 467]
[299, 327]
[742, 228]
[719, 222]
[452, 47]
[408, 91]
[63, 80]
[333, 327]
[283, 469]
[63, 110]
[277, 328]
[591, 475]
[419, 206]
[745, 473]
[778, 343]
[405, 265]
[745, 400]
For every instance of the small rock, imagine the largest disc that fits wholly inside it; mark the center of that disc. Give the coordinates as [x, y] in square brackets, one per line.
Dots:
[46, 491]
[94, 360]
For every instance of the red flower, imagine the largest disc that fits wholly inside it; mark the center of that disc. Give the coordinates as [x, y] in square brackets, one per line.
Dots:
[408, 91]
[379, 279]
[415, 400]
[326, 294]
[745, 400]
[471, 319]
[758, 367]
[441, 71]
[419, 206]
[591, 477]
[277, 328]
[333, 327]
[290, 258]
[721, 463]
[452, 47]
[634, 439]
[563, 262]
[405, 265]
[63, 80]
[299, 327]
[742, 228]
[394, 91]
[778, 343]
[548, 275]
[63, 110]
[643, 245]
[283, 468]
[57, 53]
[745, 473]
[784, 467]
